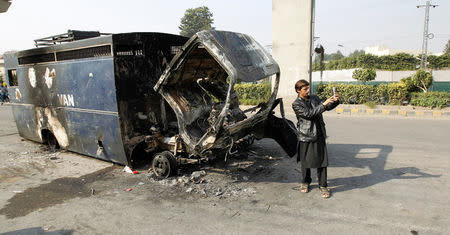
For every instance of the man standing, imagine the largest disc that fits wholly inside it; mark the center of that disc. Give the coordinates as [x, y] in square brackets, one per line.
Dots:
[312, 149]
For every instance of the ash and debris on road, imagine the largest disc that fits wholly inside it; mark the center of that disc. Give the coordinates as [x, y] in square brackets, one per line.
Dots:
[233, 179]
[36, 153]
[29, 162]
[223, 180]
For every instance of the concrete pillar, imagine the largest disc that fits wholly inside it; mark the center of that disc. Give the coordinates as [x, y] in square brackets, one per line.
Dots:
[291, 45]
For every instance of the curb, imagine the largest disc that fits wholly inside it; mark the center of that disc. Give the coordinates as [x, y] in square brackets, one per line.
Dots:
[393, 112]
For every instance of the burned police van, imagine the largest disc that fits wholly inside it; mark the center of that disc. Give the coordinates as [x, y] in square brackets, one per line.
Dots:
[135, 97]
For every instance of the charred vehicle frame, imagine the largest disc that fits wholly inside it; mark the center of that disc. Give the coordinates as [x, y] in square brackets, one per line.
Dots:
[132, 97]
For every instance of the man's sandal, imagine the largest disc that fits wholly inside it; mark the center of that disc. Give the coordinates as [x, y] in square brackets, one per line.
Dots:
[304, 188]
[325, 192]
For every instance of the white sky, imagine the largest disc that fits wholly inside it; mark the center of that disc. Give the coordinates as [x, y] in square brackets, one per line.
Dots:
[355, 24]
[397, 24]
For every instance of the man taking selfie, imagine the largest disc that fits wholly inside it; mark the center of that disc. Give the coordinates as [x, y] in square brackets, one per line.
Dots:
[312, 149]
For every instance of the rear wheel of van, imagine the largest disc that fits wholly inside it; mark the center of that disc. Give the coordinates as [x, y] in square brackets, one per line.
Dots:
[164, 164]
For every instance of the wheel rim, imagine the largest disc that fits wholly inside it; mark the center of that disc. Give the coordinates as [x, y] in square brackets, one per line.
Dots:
[161, 166]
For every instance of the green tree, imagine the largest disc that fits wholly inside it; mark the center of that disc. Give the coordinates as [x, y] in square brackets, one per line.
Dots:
[397, 62]
[364, 75]
[367, 61]
[422, 79]
[356, 53]
[196, 20]
[334, 56]
[447, 48]
[410, 85]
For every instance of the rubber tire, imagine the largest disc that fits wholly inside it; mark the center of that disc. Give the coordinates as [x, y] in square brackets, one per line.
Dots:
[164, 164]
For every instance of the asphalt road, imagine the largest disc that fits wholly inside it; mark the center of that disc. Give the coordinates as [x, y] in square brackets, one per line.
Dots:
[387, 175]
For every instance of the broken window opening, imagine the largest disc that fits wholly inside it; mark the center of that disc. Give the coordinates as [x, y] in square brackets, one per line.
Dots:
[12, 77]
[89, 52]
[254, 95]
[34, 59]
[198, 91]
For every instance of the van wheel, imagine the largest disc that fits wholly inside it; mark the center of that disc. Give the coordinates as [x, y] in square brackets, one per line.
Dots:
[164, 164]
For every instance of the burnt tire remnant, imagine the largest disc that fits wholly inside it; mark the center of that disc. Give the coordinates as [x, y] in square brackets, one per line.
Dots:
[164, 164]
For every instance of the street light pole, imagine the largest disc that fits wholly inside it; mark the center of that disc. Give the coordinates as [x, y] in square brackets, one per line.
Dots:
[426, 35]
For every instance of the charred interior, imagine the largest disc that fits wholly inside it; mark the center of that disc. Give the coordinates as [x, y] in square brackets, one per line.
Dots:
[139, 60]
[200, 90]
[198, 85]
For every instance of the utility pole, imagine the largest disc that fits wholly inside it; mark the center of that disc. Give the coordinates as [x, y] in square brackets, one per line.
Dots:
[311, 43]
[426, 35]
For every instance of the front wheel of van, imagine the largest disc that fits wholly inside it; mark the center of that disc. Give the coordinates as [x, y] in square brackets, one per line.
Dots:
[164, 164]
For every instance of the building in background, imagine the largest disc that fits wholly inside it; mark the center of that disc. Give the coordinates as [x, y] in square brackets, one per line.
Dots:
[383, 50]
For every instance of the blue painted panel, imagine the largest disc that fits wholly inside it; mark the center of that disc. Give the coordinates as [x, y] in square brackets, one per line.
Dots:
[91, 81]
[85, 129]
[86, 84]
[82, 95]
[25, 117]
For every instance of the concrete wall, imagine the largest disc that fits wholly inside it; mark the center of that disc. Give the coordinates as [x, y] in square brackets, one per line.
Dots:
[291, 22]
[382, 76]
[441, 75]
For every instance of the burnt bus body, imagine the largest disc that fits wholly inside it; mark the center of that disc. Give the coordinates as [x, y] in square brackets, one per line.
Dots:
[95, 96]
[133, 96]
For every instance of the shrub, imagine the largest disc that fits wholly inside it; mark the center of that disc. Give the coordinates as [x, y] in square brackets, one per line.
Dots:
[364, 75]
[381, 95]
[396, 93]
[430, 99]
[393, 93]
[422, 79]
[439, 62]
[409, 83]
[253, 94]
[350, 93]
[320, 89]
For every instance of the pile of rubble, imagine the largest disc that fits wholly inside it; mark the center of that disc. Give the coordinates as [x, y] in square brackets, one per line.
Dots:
[199, 183]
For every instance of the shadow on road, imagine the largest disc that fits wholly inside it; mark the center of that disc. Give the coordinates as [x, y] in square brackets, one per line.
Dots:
[367, 156]
[260, 168]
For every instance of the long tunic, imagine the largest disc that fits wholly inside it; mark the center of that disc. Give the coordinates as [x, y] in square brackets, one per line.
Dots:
[313, 154]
